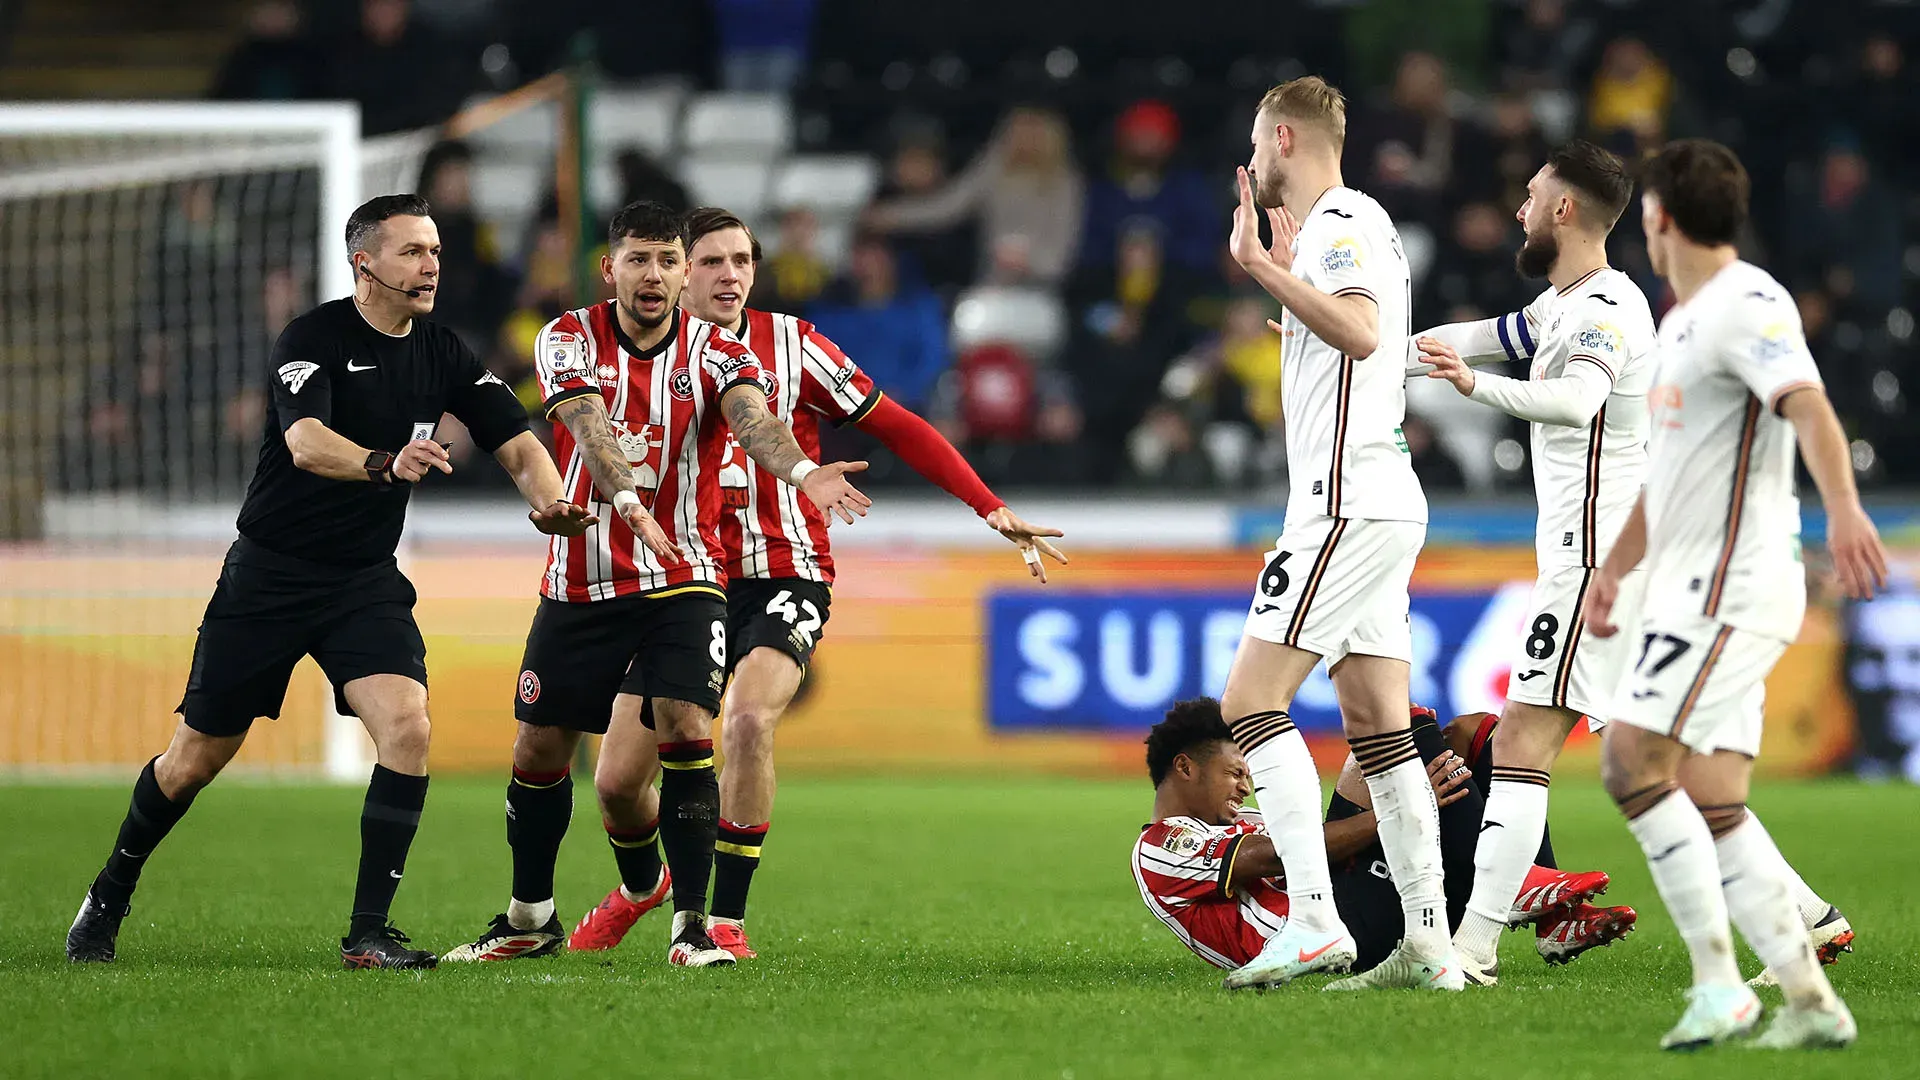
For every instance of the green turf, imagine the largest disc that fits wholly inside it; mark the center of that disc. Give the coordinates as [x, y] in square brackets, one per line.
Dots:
[922, 927]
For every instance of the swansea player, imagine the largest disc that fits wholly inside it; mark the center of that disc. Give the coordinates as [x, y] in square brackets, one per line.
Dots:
[359, 386]
[1335, 585]
[1206, 868]
[779, 557]
[631, 633]
[1718, 528]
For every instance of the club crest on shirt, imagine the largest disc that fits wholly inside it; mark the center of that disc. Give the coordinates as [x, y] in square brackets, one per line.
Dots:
[1342, 254]
[529, 687]
[1776, 342]
[681, 385]
[771, 383]
[565, 354]
[1600, 336]
[296, 374]
[1183, 842]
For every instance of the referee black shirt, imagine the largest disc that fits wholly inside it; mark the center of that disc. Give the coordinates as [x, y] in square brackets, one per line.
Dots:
[380, 391]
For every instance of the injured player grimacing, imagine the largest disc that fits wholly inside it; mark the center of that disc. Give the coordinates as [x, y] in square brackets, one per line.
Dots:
[1206, 868]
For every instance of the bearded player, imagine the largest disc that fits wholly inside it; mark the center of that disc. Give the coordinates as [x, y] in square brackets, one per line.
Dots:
[631, 630]
[779, 561]
[1206, 868]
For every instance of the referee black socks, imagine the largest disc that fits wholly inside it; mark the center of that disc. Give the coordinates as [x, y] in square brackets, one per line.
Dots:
[689, 818]
[388, 821]
[736, 856]
[150, 816]
[539, 809]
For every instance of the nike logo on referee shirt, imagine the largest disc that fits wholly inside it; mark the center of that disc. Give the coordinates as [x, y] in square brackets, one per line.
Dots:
[369, 367]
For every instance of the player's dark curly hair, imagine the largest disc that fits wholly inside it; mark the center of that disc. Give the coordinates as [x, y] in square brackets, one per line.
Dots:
[365, 221]
[1703, 186]
[1192, 728]
[706, 220]
[645, 220]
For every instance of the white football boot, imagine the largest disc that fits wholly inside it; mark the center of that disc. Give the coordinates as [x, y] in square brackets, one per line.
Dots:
[1293, 952]
[1402, 970]
[1830, 937]
[1714, 1015]
[1794, 1027]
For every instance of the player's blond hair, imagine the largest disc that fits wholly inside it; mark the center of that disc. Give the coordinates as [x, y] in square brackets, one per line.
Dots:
[1309, 99]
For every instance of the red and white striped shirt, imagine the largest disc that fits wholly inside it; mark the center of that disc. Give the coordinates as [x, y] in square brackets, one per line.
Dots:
[663, 406]
[1184, 868]
[769, 530]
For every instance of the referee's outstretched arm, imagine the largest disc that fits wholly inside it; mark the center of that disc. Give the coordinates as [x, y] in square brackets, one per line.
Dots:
[318, 449]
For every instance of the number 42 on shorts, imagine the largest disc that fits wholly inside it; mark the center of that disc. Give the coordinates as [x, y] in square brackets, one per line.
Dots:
[783, 605]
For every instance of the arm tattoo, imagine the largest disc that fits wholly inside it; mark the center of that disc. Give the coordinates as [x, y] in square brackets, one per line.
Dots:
[766, 440]
[586, 417]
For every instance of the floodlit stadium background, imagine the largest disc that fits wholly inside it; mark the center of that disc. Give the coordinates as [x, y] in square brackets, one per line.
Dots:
[1014, 218]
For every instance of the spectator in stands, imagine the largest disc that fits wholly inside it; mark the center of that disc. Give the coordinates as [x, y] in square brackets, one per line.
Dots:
[1143, 182]
[475, 288]
[1473, 275]
[1632, 96]
[1546, 49]
[1023, 190]
[402, 74]
[1218, 403]
[943, 258]
[796, 272]
[895, 330]
[1847, 231]
[546, 292]
[1129, 312]
[643, 180]
[1884, 99]
[274, 62]
[1404, 147]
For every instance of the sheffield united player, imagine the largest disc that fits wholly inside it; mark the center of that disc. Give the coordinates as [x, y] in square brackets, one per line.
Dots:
[359, 385]
[1335, 585]
[1718, 527]
[779, 563]
[1206, 868]
[631, 631]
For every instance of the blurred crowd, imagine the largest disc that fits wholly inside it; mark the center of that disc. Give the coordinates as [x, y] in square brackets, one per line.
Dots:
[1044, 271]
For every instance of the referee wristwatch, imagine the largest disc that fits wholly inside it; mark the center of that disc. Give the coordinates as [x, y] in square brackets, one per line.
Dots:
[380, 468]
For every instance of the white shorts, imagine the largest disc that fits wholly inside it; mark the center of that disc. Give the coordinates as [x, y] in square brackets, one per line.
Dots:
[1559, 663]
[1699, 682]
[1336, 586]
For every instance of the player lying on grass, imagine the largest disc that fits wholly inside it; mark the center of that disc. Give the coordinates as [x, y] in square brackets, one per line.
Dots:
[1207, 869]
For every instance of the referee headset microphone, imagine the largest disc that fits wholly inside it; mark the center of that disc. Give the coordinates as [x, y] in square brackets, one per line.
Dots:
[367, 271]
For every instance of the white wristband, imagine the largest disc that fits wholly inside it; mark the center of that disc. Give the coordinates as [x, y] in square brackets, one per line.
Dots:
[801, 470]
[625, 500]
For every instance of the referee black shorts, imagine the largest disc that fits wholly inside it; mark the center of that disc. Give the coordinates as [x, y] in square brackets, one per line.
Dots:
[581, 655]
[784, 614]
[269, 610]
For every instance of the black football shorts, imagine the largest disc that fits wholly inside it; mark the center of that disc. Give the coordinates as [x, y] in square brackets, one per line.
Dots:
[787, 614]
[581, 655]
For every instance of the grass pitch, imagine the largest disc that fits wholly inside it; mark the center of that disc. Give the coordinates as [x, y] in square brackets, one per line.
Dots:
[926, 927]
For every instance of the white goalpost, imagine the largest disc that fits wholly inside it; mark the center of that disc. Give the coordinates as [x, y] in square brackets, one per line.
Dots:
[149, 253]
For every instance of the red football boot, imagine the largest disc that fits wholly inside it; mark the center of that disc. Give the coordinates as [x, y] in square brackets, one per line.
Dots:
[1545, 889]
[1571, 931]
[606, 925]
[732, 937]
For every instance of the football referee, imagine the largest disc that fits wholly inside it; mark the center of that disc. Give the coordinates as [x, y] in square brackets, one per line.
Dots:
[359, 386]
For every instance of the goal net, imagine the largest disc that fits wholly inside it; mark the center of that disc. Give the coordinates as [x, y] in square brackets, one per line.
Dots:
[149, 254]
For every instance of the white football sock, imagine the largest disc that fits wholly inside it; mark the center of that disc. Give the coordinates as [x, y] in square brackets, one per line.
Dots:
[1812, 906]
[1510, 832]
[525, 916]
[1686, 870]
[1409, 823]
[1753, 879]
[1288, 787]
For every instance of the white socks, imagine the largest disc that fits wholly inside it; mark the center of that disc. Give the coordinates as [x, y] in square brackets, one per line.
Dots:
[1813, 907]
[1686, 869]
[1409, 824]
[1510, 833]
[1288, 787]
[524, 916]
[1754, 881]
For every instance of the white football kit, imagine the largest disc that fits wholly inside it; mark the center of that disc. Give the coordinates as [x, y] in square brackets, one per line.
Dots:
[1336, 581]
[1591, 347]
[1726, 587]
